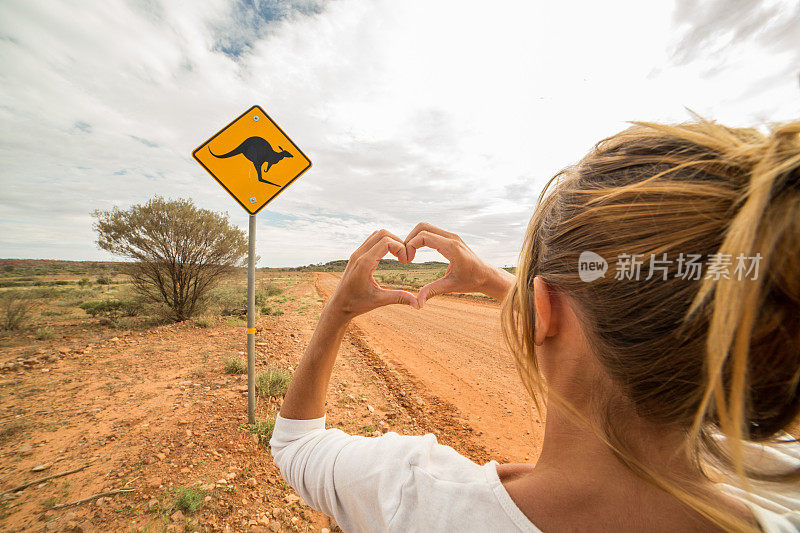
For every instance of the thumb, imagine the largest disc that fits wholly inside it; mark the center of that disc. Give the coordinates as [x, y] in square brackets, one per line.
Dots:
[435, 288]
[389, 297]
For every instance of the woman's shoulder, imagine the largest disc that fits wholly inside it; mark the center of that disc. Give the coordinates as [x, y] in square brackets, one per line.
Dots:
[448, 492]
[392, 482]
[775, 505]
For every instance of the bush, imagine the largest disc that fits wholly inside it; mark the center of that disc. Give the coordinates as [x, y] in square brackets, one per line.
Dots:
[235, 366]
[237, 322]
[127, 323]
[11, 430]
[273, 311]
[44, 334]
[259, 297]
[72, 297]
[179, 251]
[270, 288]
[112, 309]
[103, 281]
[51, 283]
[203, 322]
[84, 282]
[272, 382]
[188, 499]
[231, 302]
[14, 309]
[46, 293]
[263, 428]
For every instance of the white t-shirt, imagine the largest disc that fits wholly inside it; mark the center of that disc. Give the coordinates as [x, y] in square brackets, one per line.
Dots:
[405, 483]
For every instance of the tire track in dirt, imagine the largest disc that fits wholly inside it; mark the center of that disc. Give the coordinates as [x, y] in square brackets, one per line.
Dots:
[432, 414]
[452, 354]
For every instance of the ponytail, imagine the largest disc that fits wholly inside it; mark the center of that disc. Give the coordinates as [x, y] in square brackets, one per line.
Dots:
[753, 332]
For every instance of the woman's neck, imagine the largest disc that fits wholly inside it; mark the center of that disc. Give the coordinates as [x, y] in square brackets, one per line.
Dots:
[578, 481]
[570, 441]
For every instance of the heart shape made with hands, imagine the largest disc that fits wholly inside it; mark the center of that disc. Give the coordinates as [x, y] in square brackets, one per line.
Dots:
[463, 269]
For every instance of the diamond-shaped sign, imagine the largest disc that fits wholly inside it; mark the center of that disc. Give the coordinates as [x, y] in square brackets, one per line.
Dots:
[253, 159]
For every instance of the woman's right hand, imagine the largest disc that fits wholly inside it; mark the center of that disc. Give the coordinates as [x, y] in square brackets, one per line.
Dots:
[466, 272]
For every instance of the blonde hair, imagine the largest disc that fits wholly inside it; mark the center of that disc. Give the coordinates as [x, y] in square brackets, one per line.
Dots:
[705, 356]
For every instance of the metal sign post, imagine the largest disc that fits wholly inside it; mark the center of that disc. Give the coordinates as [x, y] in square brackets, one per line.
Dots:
[251, 321]
[254, 160]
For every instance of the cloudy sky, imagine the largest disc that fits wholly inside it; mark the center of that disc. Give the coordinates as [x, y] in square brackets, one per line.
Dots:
[450, 112]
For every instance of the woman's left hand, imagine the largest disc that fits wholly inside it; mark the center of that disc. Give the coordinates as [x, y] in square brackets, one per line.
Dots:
[358, 292]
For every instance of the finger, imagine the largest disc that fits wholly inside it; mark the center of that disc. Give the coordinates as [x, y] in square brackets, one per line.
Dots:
[435, 288]
[371, 241]
[389, 297]
[364, 246]
[386, 244]
[424, 226]
[443, 245]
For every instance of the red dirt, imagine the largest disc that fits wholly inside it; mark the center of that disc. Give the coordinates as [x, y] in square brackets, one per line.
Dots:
[152, 410]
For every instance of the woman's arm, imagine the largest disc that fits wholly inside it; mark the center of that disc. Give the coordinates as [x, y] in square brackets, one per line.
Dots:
[366, 484]
[305, 398]
[356, 293]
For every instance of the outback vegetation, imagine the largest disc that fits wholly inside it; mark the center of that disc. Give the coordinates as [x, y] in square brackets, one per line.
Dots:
[178, 252]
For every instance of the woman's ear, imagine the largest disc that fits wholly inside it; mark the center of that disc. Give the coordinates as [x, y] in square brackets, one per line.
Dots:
[545, 319]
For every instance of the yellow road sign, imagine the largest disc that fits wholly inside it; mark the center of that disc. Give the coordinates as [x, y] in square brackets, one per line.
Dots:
[253, 159]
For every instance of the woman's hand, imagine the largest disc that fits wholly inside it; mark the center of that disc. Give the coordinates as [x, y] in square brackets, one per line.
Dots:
[357, 291]
[466, 272]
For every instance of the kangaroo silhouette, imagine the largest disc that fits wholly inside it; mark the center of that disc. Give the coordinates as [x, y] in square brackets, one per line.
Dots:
[258, 151]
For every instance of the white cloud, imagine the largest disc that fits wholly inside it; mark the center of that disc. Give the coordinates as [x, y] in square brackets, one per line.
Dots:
[450, 112]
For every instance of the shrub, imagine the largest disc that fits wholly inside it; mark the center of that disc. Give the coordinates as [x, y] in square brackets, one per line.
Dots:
[179, 251]
[112, 309]
[72, 297]
[270, 288]
[273, 311]
[14, 309]
[235, 366]
[23, 282]
[263, 428]
[124, 323]
[103, 280]
[259, 297]
[11, 430]
[203, 322]
[188, 499]
[84, 282]
[46, 293]
[44, 334]
[233, 302]
[234, 321]
[272, 382]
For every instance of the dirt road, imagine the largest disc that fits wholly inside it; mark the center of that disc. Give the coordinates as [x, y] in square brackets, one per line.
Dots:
[454, 349]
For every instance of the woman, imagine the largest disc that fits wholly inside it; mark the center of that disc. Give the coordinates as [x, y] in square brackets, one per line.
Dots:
[668, 392]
